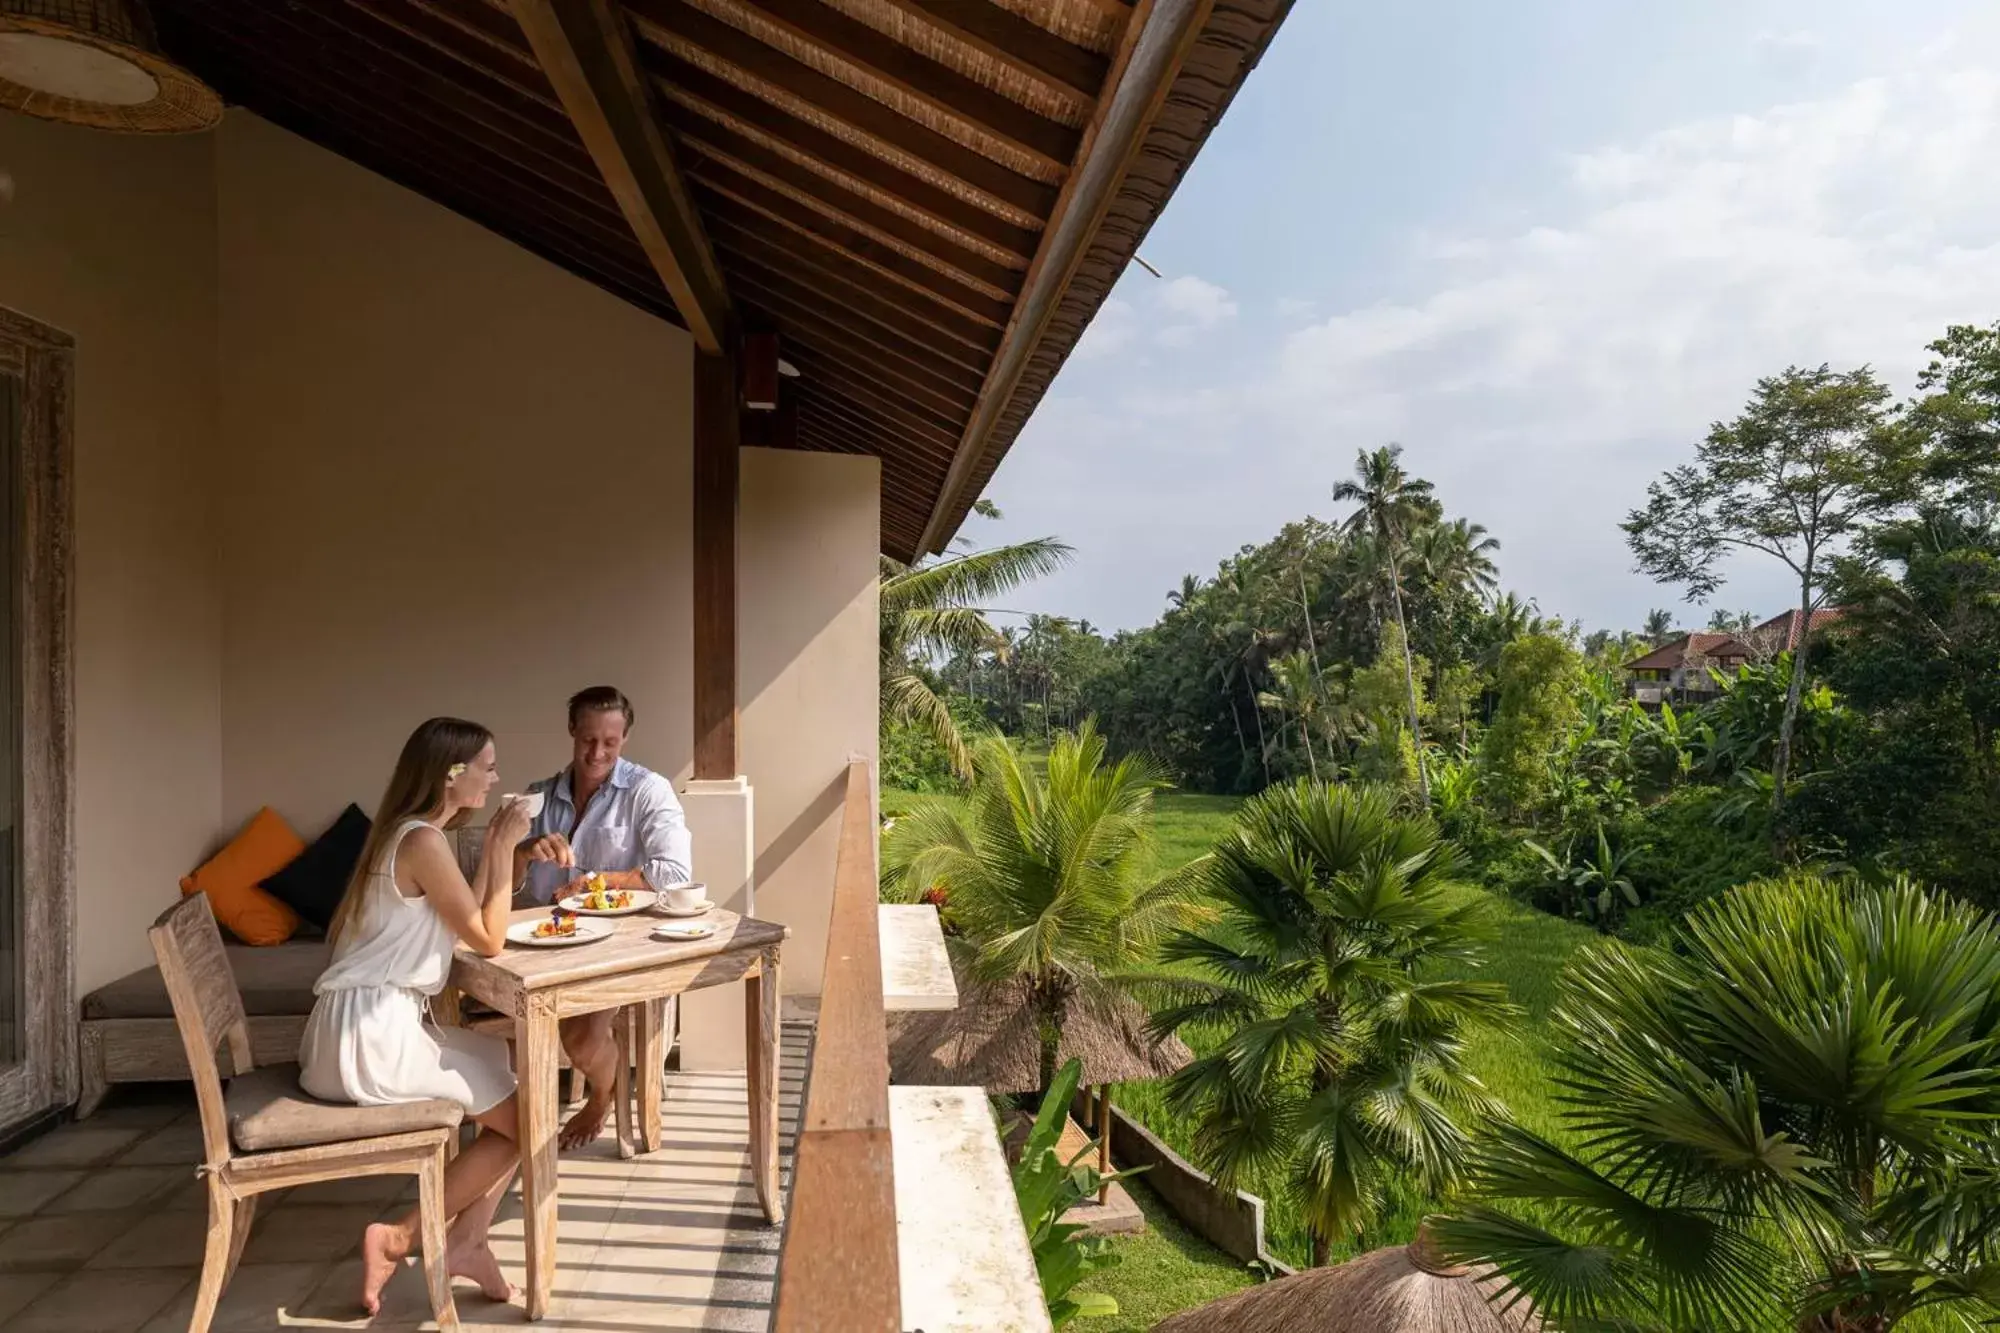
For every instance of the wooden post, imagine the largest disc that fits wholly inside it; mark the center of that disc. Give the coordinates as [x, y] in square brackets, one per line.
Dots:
[717, 433]
[1104, 1141]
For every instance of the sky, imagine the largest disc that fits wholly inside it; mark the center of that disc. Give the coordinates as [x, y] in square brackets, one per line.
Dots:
[1542, 245]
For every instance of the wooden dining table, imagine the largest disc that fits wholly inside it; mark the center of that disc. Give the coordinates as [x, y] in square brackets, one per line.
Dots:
[539, 986]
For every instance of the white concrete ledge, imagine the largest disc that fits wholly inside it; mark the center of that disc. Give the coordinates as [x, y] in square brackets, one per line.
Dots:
[963, 1251]
[916, 970]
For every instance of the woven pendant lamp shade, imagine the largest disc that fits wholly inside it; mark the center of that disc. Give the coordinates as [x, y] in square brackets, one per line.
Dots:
[97, 63]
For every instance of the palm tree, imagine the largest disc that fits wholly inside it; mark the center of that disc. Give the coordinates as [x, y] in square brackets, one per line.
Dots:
[1044, 878]
[1296, 694]
[1183, 597]
[932, 611]
[1391, 505]
[1787, 1118]
[1336, 1055]
[1459, 555]
[1659, 626]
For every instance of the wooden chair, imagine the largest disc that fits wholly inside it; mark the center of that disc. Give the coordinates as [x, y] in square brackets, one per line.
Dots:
[263, 1132]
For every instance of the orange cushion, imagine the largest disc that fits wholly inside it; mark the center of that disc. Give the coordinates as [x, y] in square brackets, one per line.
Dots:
[231, 879]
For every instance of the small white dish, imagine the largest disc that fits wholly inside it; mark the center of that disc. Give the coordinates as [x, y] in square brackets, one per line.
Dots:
[642, 899]
[587, 931]
[675, 932]
[532, 800]
[702, 908]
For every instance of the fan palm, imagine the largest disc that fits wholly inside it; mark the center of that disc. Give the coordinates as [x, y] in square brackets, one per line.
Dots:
[1044, 878]
[1340, 1057]
[1391, 504]
[1788, 1118]
[932, 611]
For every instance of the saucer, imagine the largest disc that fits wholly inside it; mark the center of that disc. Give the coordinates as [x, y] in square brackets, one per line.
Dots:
[693, 930]
[700, 910]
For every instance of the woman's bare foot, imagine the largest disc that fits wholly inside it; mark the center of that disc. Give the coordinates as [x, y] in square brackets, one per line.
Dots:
[476, 1262]
[384, 1246]
[584, 1127]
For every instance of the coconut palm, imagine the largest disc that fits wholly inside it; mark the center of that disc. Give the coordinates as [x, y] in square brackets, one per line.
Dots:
[1296, 694]
[1337, 1055]
[1659, 626]
[1786, 1119]
[1044, 878]
[1391, 504]
[1183, 597]
[1459, 555]
[934, 610]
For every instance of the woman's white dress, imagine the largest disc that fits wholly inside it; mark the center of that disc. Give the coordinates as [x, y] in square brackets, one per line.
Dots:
[370, 1039]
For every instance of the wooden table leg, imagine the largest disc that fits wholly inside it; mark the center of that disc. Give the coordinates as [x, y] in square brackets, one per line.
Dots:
[652, 1050]
[536, 1052]
[760, 1011]
[621, 1084]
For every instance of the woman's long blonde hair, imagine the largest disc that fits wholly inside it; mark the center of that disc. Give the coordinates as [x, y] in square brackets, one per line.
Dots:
[416, 791]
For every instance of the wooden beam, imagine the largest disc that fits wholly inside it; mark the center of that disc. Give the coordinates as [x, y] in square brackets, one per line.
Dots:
[694, 91]
[717, 439]
[776, 429]
[1155, 44]
[760, 373]
[913, 360]
[1026, 48]
[586, 50]
[948, 251]
[785, 221]
[1050, 144]
[670, 22]
[851, 284]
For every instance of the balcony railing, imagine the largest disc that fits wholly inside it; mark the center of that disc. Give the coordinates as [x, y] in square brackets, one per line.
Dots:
[839, 1268]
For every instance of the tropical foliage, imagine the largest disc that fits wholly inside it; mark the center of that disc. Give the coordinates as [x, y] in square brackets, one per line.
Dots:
[1338, 1055]
[1785, 1119]
[1047, 1187]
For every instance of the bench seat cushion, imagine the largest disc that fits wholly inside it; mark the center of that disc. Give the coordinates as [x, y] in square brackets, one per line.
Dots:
[275, 981]
[269, 1110]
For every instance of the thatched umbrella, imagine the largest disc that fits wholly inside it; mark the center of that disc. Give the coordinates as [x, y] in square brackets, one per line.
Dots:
[992, 1040]
[1402, 1289]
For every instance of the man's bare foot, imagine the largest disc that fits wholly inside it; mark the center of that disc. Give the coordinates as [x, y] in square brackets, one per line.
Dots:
[584, 1127]
[477, 1263]
[384, 1246]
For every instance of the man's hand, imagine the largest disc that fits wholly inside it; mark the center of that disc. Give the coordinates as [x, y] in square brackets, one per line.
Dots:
[553, 848]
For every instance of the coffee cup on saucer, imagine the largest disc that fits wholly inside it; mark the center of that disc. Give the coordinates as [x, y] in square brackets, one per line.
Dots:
[685, 898]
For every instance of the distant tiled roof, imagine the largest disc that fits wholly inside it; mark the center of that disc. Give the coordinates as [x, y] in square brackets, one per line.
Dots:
[1678, 652]
[1785, 626]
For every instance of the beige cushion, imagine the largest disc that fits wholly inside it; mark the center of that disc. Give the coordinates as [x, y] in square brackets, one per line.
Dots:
[268, 1110]
[274, 982]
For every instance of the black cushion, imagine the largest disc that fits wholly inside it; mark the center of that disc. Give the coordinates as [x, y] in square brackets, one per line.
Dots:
[313, 883]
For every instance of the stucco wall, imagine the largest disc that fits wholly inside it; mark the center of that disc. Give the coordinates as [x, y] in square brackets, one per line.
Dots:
[112, 239]
[456, 480]
[806, 662]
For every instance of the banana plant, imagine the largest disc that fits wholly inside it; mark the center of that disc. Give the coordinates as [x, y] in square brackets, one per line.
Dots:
[1591, 886]
[1047, 1187]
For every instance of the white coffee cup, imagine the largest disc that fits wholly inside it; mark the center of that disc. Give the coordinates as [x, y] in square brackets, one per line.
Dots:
[530, 801]
[685, 897]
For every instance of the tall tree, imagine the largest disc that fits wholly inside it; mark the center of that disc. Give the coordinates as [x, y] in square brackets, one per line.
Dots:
[1458, 555]
[1792, 478]
[931, 611]
[1659, 626]
[1391, 505]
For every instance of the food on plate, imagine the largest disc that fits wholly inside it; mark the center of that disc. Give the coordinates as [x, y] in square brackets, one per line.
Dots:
[561, 924]
[598, 895]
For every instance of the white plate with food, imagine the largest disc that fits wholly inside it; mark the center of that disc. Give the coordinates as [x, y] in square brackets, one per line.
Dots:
[558, 930]
[674, 932]
[598, 899]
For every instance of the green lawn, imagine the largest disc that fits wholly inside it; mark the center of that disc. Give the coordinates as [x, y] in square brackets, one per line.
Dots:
[1161, 1271]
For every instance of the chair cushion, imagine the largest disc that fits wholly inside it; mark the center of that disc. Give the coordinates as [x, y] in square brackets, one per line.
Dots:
[274, 982]
[268, 1110]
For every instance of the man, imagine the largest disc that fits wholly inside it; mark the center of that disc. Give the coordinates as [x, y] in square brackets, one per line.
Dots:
[602, 813]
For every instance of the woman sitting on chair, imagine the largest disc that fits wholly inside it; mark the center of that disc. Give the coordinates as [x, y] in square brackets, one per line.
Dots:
[370, 1039]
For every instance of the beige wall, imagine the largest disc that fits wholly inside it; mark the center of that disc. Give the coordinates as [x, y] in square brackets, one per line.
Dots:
[806, 662]
[112, 239]
[456, 480]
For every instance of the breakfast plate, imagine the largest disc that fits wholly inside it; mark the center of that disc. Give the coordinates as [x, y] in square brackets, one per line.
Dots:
[597, 900]
[556, 932]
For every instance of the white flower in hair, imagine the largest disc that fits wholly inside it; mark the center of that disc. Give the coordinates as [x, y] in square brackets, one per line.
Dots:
[454, 773]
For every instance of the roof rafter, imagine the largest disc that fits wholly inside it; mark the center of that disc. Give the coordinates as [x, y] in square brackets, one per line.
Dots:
[586, 50]
[1024, 47]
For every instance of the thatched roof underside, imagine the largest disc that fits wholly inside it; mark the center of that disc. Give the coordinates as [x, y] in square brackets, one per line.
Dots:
[990, 1041]
[1383, 1291]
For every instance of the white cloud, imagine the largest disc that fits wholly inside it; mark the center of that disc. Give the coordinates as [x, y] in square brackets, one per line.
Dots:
[1190, 306]
[1542, 374]
[1116, 325]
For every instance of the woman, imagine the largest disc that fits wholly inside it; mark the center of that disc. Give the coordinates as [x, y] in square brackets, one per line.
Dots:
[370, 1039]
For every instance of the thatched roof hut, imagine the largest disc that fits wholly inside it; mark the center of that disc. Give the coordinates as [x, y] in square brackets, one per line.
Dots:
[990, 1041]
[1402, 1289]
